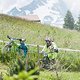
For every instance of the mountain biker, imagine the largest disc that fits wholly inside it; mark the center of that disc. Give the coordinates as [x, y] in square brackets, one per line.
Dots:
[50, 50]
[23, 46]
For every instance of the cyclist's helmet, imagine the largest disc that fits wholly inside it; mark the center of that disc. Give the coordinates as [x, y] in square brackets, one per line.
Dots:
[47, 39]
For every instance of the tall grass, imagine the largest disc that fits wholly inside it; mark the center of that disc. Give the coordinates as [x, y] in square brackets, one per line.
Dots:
[47, 75]
[69, 61]
[35, 33]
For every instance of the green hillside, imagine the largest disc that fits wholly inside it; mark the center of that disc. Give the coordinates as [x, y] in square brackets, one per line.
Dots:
[61, 75]
[35, 33]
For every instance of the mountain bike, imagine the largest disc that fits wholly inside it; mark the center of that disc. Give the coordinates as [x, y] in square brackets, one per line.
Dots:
[46, 63]
[13, 47]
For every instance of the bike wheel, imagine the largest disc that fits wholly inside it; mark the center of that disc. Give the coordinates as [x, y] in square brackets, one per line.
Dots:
[6, 49]
[40, 64]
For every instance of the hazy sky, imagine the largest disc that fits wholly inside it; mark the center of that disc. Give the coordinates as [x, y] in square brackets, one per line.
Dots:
[74, 6]
[6, 5]
[72, 3]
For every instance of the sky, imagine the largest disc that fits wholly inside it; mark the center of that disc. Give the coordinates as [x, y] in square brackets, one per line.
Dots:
[6, 5]
[74, 6]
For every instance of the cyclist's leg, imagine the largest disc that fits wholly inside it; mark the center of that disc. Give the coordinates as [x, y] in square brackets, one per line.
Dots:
[47, 60]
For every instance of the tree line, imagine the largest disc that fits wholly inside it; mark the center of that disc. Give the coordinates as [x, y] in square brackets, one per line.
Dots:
[70, 23]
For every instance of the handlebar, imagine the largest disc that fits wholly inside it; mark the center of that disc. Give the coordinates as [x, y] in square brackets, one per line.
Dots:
[15, 38]
[11, 38]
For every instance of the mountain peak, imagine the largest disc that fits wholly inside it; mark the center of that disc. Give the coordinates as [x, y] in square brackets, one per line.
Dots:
[49, 11]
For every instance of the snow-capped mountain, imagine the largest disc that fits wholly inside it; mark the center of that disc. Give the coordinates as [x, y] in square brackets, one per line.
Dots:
[49, 11]
[16, 12]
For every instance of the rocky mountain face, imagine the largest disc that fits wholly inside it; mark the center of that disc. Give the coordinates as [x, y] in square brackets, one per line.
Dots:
[49, 11]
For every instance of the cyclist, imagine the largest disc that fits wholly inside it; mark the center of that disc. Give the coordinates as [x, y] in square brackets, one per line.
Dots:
[50, 50]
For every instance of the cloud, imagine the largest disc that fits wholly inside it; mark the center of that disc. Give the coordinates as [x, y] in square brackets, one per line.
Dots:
[6, 5]
[21, 3]
[73, 6]
[72, 3]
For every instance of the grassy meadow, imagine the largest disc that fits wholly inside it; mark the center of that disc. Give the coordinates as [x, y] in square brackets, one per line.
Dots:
[35, 33]
[47, 75]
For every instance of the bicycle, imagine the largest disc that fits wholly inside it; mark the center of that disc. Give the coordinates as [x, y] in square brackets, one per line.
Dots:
[13, 47]
[46, 63]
